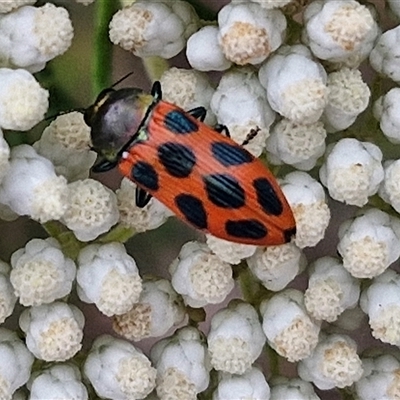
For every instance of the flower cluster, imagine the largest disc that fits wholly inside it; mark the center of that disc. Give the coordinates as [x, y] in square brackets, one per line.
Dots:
[96, 315]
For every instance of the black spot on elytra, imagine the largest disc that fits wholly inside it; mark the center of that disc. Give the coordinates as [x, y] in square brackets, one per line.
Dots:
[267, 197]
[288, 234]
[177, 121]
[246, 229]
[193, 210]
[177, 159]
[144, 174]
[224, 190]
[230, 154]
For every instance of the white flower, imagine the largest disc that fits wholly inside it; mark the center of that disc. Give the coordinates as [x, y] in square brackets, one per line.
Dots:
[31, 36]
[15, 363]
[108, 277]
[340, 31]
[182, 365]
[157, 310]
[23, 102]
[284, 388]
[199, 276]
[381, 302]
[59, 381]
[384, 56]
[380, 379]
[295, 84]
[204, 52]
[289, 329]
[31, 186]
[53, 331]
[92, 209]
[331, 290]
[251, 385]
[369, 243]
[118, 370]
[154, 28]
[333, 363]
[41, 273]
[308, 202]
[268, 4]
[248, 33]
[85, 2]
[389, 190]
[352, 171]
[296, 144]
[236, 338]
[240, 103]
[7, 296]
[141, 219]
[386, 110]
[9, 5]
[276, 266]
[4, 157]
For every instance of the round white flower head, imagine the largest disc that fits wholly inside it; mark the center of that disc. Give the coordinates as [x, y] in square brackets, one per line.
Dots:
[204, 52]
[142, 219]
[369, 243]
[268, 4]
[295, 84]
[381, 302]
[389, 190]
[384, 56]
[108, 277]
[92, 209]
[7, 296]
[348, 97]
[159, 308]
[240, 103]
[31, 186]
[182, 364]
[284, 388]
[308, 202]
[31, 36]
[386, 110]
[333, 363]
[236, 338]
[154, 28]
[23, 102]
[352, 171]
[251, 385]
[188, 88]
[340, 31]
[4, 156]
[54, 332]
[289, 329]
[380, 379]
[6, 214]
[249, 33]
[331, 290]
[118, 370]
[9, 5]
[199, 276]
[276, 266]
[296, 144]
[59, 381]
[41, 273]
[15, 363]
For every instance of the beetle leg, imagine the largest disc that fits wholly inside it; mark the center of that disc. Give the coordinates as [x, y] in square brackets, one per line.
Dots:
[156, 91]
[142, 197]
[250, 136]
[222, 129]
[198, 113]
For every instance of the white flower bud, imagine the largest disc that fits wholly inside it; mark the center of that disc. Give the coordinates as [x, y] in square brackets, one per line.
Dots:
[352, 171]
[108, 277]
[276, 266]
[182, 365]
[389, 190]
[268, 4]
[236, 338]
[283, 388]
[4, 157]
[9, 5]
[41, 273]
[7, 296]
[289, 329]
[199, 276]
[31, 186]
[248, 33]
[333, 363]
[118, 370]
[295, 84]
[54, 332]
[369, 243]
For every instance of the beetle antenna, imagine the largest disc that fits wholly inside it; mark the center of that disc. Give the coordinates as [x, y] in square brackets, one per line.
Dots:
[122, 79]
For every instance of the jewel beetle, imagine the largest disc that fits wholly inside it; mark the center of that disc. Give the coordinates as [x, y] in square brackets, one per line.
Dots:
[197, 171]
